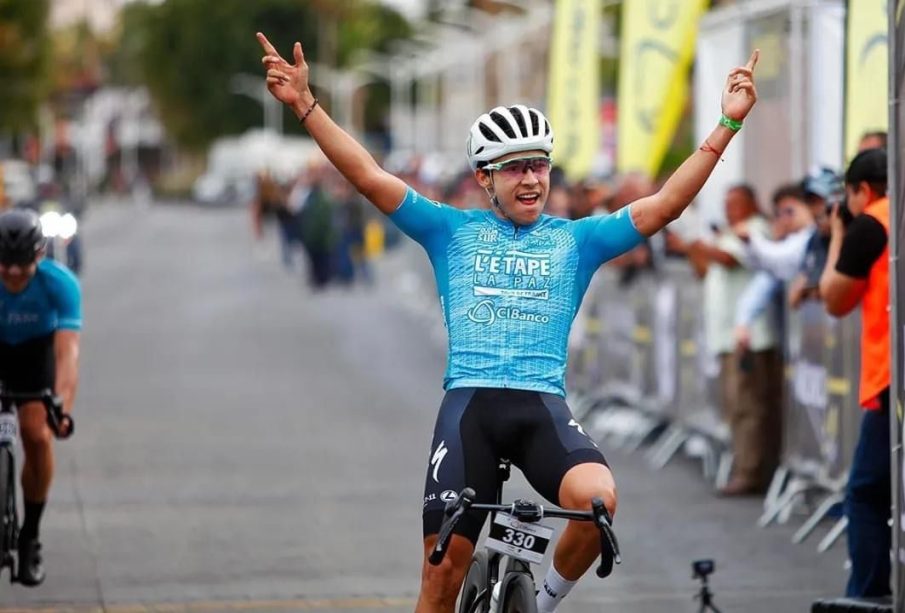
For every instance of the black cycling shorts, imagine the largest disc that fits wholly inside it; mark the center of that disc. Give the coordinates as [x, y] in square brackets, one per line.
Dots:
[477, 427]
[29, 366]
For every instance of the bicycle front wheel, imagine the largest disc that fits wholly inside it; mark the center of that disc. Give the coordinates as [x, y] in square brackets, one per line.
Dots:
[7, 501]
[476, 584]
[517, 594]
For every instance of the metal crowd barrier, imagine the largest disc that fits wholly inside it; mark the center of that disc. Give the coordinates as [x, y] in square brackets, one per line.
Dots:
[642, 352]
[696, 408]
[821, 418]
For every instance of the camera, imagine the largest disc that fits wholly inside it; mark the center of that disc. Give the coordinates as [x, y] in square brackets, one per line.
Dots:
[702, 568]
[844, 213]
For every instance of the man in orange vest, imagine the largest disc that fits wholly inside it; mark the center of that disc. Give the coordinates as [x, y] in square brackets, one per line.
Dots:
[857, 273]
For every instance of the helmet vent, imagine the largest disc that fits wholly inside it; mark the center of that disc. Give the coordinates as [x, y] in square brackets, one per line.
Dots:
[503, 124]
[489, 134]
[519, 119]
[535, 121]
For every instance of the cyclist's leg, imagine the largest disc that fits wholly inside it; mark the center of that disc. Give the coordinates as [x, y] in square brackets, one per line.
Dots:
[579, 545]
[565, 466]
[37, 471]
[461, 455]
[440, 584]
[35, 371]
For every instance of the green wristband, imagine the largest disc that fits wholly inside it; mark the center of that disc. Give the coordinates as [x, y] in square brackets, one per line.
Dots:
[732, 124]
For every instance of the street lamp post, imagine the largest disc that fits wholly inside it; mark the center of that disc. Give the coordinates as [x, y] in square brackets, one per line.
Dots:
[256, 89]
[342, 85]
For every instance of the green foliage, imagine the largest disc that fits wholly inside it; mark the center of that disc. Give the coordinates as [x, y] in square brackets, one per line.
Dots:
[186, 52]
[24, 55]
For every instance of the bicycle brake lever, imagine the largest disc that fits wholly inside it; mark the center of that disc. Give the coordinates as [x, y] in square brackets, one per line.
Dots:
[443, 537]
[609, 546]
[454, 510]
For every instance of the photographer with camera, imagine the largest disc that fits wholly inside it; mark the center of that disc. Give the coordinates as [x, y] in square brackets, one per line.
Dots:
[857, 273]
[823, 190]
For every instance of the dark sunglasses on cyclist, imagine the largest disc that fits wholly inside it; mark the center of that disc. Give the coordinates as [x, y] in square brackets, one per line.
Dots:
[514, 169]
[20, 258]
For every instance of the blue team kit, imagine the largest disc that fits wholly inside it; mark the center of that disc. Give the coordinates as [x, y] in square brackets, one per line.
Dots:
[51, 301]
[509, 293]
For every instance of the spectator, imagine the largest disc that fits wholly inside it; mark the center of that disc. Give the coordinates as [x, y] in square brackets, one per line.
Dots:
[748, 381]
[793, 229]
[872, 140]
[857, 273]
[777, 261]
[270, 199]
[316, 223]
[350, 263]
[820, 189]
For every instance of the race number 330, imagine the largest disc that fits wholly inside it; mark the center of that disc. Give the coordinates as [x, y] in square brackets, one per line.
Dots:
[526, 542]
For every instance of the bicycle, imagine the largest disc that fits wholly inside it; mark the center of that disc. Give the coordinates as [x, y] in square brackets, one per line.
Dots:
[9, 434]
[515, 532]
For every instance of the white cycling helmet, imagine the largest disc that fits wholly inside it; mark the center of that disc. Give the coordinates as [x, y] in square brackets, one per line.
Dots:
[508, 130]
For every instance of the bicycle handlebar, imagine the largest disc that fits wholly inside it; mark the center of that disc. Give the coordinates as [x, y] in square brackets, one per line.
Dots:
[53, 404]
[530, 512]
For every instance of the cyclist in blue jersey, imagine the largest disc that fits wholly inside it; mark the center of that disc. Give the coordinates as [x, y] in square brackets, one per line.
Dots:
[40, 319]
[510, 281]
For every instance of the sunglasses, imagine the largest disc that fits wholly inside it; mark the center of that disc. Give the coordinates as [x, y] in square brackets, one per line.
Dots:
[22, 259]
[514, 169]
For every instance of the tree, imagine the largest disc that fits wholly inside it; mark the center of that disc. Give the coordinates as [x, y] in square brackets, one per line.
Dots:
[187, 52]
[24, 55]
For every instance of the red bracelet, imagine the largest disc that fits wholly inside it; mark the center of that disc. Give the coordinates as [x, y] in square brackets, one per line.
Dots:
[708, 148]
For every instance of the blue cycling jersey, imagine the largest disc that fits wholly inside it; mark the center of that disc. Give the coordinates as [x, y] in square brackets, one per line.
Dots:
[509, 293]
[51, 301]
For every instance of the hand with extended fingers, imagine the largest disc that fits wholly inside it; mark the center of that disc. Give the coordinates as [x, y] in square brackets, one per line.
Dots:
[287, 82]
[739, 95]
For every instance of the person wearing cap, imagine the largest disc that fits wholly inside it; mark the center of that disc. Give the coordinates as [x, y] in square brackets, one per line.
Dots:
[821, 188]
[857, 274]
[510, 281]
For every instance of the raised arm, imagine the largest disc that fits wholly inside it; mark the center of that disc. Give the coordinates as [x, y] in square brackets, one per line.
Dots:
[653, 213]
[289, 84]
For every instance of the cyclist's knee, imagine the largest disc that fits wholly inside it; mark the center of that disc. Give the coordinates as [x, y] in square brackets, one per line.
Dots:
[33, 427]
[440, 584]
[585, 482]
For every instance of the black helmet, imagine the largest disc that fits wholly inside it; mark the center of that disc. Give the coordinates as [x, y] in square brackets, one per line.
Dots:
[21, 238]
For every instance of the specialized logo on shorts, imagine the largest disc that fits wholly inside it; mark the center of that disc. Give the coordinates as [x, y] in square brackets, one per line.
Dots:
[437, 459]
[485, 312]
[577, 426]
[448, 496]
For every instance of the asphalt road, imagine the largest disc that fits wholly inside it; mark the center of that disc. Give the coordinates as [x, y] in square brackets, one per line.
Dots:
[245, 445]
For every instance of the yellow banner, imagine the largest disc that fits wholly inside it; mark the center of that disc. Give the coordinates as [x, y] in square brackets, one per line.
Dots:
[658, 40]
[866, 72]
[574, 86]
